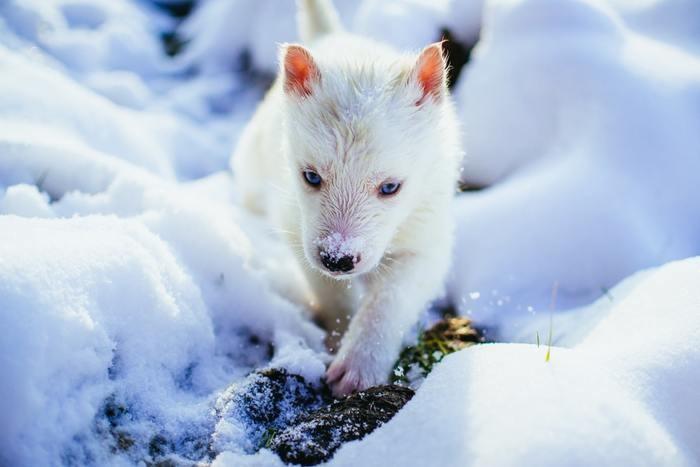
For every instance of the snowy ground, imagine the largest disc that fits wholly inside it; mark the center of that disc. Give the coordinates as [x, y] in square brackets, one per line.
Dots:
[133, 291]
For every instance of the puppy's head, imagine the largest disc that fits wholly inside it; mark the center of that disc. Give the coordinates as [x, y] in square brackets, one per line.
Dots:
[361, 136]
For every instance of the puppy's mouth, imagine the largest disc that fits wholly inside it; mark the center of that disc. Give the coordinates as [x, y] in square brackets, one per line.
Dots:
[339, 275]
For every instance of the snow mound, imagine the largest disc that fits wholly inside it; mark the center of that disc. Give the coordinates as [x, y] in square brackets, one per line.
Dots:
[72, 334]
[129, 310]
[84, 126]
[91, 35]
[121, 326]
[673, 21]
[129, 301]
[596, 178]
[622, 396]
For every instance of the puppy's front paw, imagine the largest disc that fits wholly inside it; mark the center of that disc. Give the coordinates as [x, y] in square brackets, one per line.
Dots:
[351, 372]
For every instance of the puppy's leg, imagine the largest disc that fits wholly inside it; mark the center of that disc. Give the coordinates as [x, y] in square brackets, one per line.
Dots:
[392, 304]
[334, 303]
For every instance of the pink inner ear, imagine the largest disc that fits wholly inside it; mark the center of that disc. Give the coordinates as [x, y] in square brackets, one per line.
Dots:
[430, 72]
[300, 70]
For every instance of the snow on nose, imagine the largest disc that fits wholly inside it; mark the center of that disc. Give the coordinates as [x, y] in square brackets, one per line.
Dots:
[338, 253]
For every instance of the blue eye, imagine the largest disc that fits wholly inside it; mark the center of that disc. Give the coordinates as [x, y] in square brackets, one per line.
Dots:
[389, 188]
[312, 178]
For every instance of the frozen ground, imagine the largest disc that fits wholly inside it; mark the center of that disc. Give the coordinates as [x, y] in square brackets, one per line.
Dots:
[134, 293]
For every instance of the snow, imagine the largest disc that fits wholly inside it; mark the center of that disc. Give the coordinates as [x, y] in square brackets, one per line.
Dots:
[600, 124]
[106, 306]
[136, 297]
[674, 21]
[95, 125]
[118, 283]
[622, 396]
[238, 33]
[336, 246]
[95, 35]
[66, 321]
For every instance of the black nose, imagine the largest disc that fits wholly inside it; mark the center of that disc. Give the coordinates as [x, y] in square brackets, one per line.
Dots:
[338, 263]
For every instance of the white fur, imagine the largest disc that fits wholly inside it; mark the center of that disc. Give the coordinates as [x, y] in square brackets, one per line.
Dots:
[359, 126]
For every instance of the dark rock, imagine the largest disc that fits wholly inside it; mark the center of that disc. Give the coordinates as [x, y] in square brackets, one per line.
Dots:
[267, 402]
[114, 411]
[159, 445]
[124, 440]
[163, 463]
[315, 437]
[269, 395]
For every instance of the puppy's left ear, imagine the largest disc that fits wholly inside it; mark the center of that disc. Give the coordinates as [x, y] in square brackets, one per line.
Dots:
[430, 72]
[299, 71]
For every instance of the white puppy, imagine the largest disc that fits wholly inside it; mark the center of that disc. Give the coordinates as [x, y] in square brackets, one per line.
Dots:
[353, 154]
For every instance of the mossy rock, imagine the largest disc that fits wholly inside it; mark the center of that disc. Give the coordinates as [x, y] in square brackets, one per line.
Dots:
[443, 338]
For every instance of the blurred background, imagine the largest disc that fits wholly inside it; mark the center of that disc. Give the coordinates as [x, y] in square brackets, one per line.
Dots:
[579, 118]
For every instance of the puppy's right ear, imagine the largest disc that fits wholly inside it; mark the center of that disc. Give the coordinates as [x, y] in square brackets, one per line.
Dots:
[299, 71]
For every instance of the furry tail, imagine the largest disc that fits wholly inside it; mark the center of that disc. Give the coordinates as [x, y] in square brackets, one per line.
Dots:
[316, 18]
